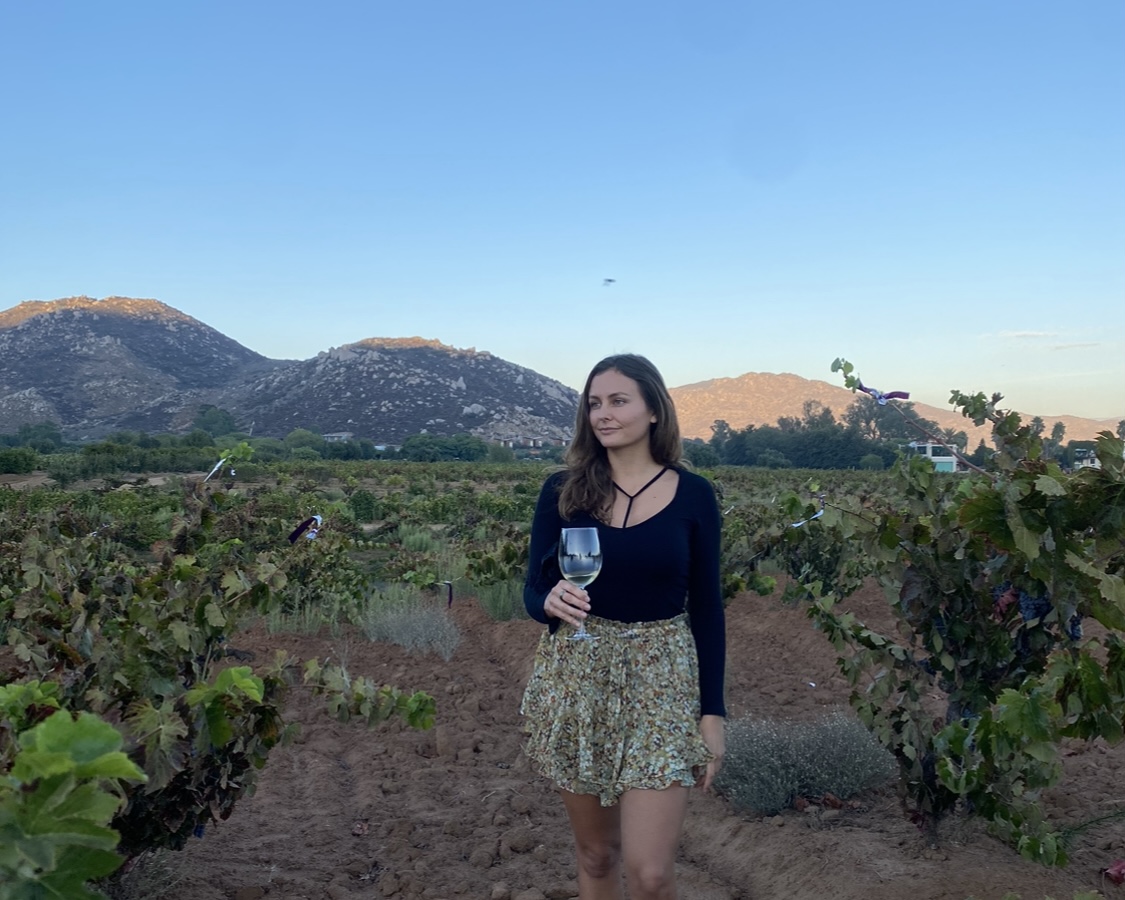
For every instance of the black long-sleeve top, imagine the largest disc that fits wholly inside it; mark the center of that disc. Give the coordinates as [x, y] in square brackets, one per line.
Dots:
[655, 569]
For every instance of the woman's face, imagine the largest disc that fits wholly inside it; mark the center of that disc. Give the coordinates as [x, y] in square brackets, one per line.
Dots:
[618, 412]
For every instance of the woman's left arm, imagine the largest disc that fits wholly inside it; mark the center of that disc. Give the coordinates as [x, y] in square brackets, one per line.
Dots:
[708, 626]
[705, 600]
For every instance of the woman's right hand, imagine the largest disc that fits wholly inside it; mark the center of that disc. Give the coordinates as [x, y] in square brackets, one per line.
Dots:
[567, 602]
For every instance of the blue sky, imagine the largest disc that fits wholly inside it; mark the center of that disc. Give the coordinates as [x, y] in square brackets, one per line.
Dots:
[935, 191]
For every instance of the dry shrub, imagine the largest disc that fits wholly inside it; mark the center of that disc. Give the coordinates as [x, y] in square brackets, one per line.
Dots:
[411, 621]
[153, 875]
[503, 600]
[768, 764]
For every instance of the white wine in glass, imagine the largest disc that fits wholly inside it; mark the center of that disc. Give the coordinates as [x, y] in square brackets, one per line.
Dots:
[580, 561]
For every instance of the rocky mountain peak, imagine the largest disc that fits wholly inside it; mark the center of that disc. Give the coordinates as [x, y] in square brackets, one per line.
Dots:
[390, 388]
[110, 306]
[94, 366]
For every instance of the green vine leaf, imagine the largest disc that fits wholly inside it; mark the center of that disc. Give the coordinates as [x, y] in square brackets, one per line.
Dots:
[214, 615]
[1049, 486]
[164, 734]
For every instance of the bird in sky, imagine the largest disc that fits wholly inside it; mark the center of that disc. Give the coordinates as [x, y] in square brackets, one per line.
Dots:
[606, 282]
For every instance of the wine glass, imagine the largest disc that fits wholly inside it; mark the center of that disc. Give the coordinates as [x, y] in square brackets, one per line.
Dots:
[580, 561]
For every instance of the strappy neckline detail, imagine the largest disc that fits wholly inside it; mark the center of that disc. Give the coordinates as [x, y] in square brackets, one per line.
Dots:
[641, 490]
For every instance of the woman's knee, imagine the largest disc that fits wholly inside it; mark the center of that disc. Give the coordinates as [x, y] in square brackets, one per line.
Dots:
[599, 860]
[652, 879]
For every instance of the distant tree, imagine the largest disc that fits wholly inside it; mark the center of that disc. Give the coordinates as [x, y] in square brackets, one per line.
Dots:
[213, 420]
[815, 441]
[1121, 430]
[771, 459]
[367, 449]
[720, 433]
[18, 460]
[302, 437]
[953, 436]
[1038, 426]
[817, 415]
[104, 457]
[42, 436]
[268, 449]
[814, 416]
[197, 438]
[1052, 446]
[364, 448]
[701, 455]
[863, 418]
[498, 453]
[980, 456]
[64, 468]
[43, 445]
[871, 461]
[305, 453]
[420, 448]
[737, 450]
[466, 447]
[342, 450]
[432, 447]
[896, 422]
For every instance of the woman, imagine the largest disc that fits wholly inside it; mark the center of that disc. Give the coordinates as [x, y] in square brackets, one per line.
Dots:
[626, 723]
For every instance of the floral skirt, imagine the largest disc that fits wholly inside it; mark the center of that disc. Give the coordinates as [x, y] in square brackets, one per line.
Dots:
[620, 712]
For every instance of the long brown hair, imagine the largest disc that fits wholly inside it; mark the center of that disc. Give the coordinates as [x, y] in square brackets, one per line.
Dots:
[588, 485]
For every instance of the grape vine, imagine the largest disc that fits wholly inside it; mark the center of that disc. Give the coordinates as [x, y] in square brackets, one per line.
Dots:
[135, 641]
[989, 575]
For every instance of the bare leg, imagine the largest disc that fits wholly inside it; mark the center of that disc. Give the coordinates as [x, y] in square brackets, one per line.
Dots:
[651, 824]
[597, 835]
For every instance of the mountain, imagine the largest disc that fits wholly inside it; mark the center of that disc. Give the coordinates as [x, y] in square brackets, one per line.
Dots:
[95, 366]
[760, 398]
[388, 389]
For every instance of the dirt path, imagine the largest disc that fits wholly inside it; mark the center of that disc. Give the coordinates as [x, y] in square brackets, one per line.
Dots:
[455, 812]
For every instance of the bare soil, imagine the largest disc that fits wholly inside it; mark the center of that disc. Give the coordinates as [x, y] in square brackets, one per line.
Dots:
[23, 482]
[345, 812]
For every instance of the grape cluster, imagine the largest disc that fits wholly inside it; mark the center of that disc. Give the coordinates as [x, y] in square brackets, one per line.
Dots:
[1032, 611]
[1032, 608]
